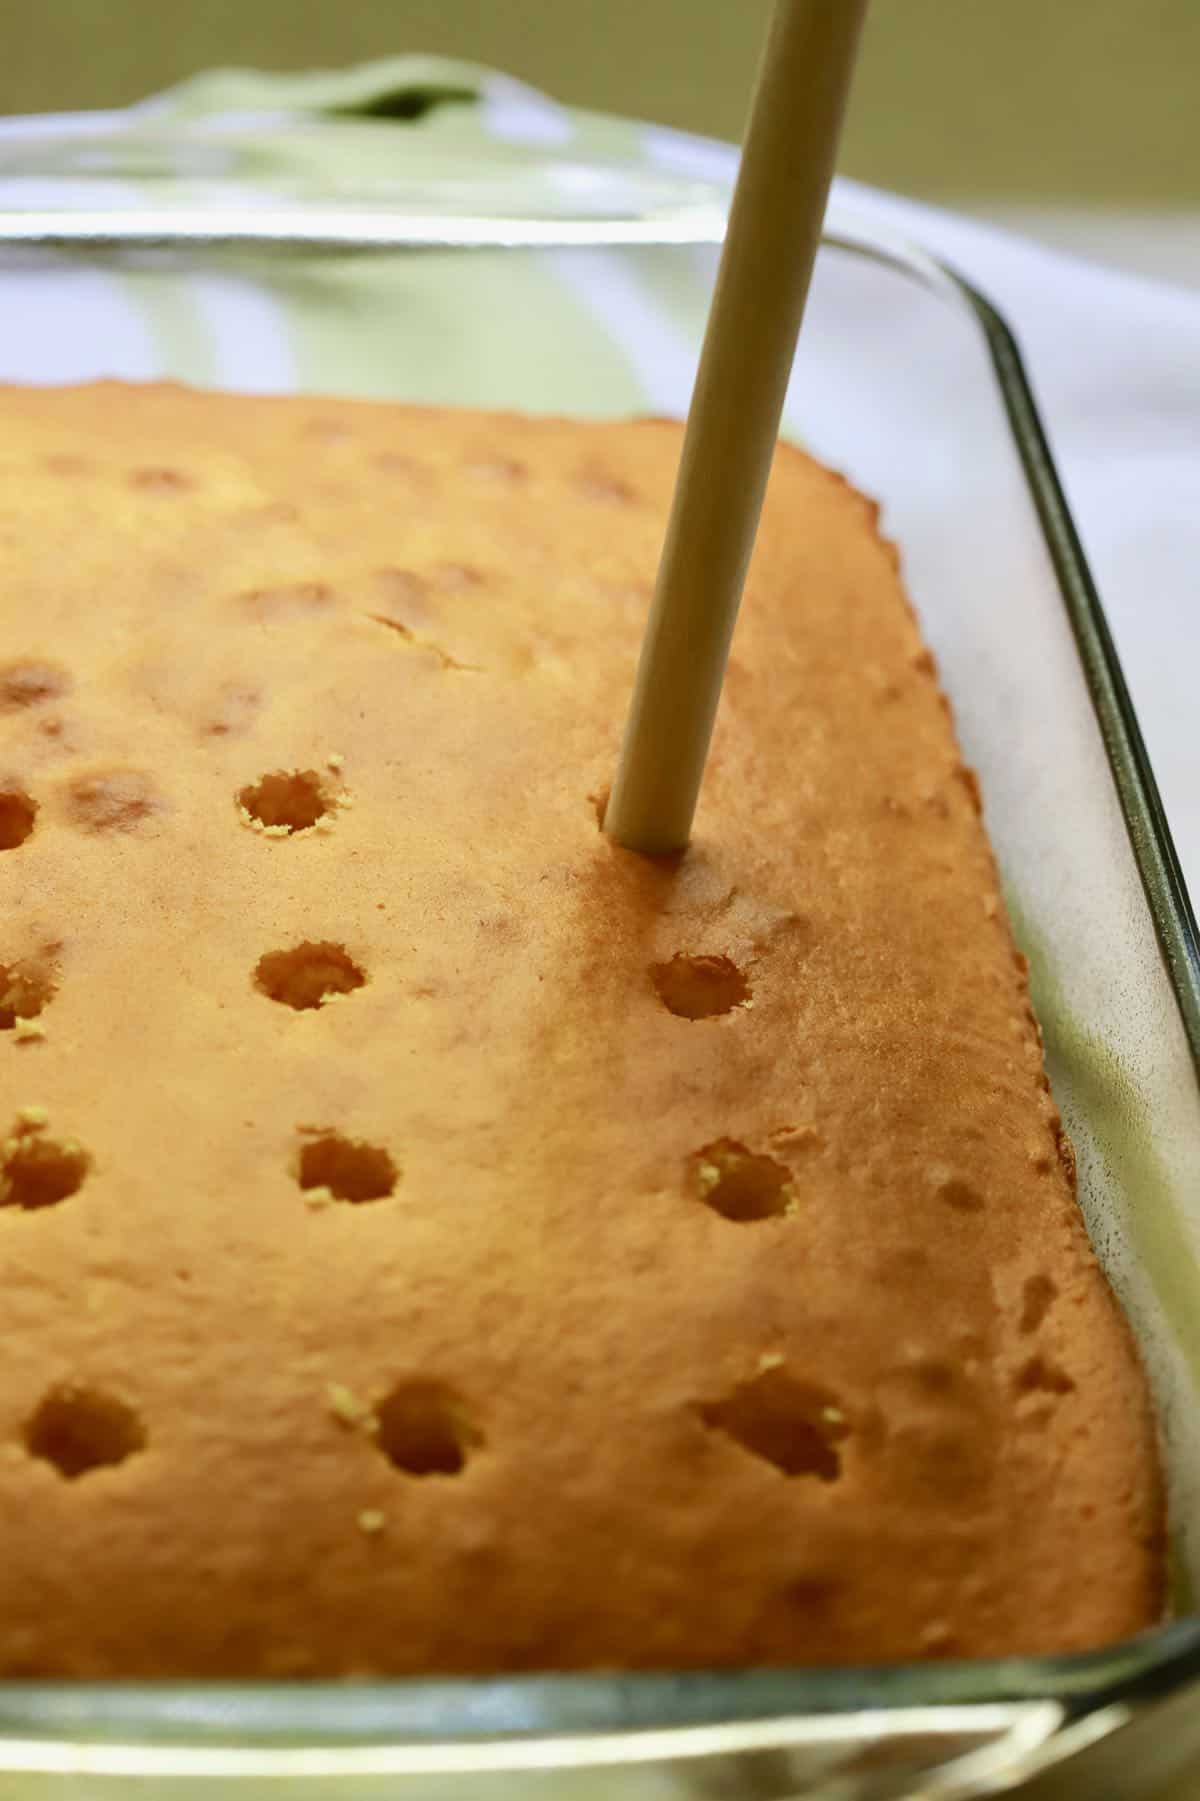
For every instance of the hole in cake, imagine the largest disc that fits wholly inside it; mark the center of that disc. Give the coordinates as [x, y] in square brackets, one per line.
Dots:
[18, 811]
[160, 481]
[700, 987]
[29, 684]
[308, 974]
[348, 1168]
[25, 989]
[741, 1185]
[421, 1428]
[39, 1172]
[792, 1425]
[1038, 1376]
[82, 1429]
[119, 801]
[1037, 1297]
[293, 799]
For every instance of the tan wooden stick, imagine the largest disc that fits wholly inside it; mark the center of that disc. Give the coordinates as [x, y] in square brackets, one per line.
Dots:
[762, 283]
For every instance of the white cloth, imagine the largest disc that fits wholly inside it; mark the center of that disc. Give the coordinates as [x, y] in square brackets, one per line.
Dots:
[1115, 362]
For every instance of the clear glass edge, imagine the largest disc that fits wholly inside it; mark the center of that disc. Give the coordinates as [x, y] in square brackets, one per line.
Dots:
[418, 1715]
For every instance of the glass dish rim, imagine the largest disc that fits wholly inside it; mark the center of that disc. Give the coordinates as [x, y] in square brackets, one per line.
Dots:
[165, 1718]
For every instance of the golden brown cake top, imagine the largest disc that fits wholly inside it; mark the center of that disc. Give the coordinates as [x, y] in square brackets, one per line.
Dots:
[436, 1239]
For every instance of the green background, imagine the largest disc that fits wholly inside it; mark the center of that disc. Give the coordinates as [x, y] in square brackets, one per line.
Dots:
[1083, 102]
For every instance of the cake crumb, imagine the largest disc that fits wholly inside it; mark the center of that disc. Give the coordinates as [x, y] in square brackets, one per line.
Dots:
[265, 831]
[316, 1198]
[771, 1360]
[32, 1119]
[346, 1406]
[370, 1520]
[335, 760]
[28, 1031]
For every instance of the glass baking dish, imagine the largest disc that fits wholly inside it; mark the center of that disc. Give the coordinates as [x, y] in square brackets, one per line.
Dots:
[908, 381]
